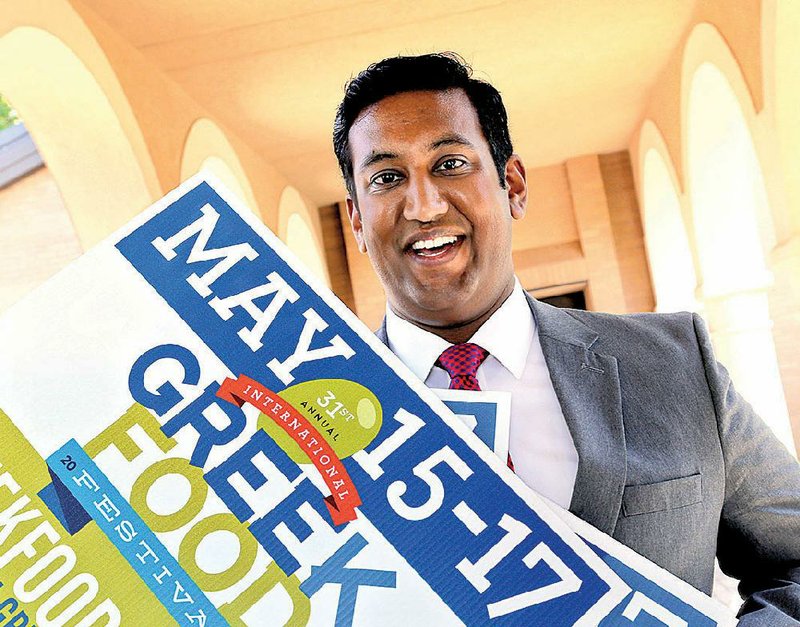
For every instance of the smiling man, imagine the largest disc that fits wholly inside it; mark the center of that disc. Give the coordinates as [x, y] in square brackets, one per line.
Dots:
[628, 421]
[439, 211]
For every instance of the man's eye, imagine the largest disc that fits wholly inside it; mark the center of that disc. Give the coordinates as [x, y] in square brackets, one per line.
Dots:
[384, 179]
[451, 164]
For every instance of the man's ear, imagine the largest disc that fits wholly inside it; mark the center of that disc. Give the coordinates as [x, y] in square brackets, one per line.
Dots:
[355, 223]
[517, 186]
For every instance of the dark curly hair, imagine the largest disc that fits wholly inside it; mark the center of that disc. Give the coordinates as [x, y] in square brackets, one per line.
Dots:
[427, 72]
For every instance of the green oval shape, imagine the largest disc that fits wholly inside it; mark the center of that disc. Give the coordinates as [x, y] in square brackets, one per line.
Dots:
[365, 411]
[346, 415]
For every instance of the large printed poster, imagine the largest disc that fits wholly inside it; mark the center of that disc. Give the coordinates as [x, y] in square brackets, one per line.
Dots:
[196, 432]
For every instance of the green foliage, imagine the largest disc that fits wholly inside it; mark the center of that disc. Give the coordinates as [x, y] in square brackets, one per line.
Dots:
[8, 117]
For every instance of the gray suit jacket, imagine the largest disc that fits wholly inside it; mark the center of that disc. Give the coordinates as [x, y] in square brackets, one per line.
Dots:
[672, 461]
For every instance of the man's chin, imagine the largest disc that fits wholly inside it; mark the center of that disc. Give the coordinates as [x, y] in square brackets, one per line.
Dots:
[438, 311]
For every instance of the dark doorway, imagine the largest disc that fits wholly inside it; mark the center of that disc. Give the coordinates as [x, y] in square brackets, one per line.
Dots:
[571, 300]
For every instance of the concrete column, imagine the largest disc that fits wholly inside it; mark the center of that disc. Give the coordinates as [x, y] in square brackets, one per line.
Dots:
[604, 291]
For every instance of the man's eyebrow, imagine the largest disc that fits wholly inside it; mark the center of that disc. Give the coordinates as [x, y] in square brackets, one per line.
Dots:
[451, 140]
[375, 157]
[448, 140]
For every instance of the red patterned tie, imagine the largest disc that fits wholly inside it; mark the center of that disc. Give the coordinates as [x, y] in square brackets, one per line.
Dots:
[461, 362]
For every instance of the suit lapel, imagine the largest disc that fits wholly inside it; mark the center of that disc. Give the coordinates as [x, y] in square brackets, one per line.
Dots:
[587, 386]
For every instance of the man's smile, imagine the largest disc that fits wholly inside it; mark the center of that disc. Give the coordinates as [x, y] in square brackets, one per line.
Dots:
[434, 248]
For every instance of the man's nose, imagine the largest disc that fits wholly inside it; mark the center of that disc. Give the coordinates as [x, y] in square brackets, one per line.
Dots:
[424, 201]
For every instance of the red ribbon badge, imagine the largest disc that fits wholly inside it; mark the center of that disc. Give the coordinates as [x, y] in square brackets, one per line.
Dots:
[344, 497]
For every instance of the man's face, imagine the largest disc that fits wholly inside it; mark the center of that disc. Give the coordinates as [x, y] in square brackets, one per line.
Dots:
[430, 210]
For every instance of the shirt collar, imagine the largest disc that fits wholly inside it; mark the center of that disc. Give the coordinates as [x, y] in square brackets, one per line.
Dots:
[507, 335]
[418, 349]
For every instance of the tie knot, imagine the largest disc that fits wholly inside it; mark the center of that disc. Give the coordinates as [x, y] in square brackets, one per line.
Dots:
[461, 362]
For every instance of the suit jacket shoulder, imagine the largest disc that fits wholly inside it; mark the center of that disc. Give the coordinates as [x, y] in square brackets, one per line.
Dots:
[703, 473]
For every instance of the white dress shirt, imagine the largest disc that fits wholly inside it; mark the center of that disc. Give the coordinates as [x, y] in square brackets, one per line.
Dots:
[541, 446]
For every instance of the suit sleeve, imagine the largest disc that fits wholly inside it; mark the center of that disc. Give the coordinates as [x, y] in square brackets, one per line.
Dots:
[759, 533]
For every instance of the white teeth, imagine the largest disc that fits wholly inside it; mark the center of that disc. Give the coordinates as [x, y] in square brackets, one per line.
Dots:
[436, 242]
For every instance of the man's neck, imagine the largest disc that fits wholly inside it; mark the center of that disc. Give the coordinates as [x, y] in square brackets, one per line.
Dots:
[462, 331]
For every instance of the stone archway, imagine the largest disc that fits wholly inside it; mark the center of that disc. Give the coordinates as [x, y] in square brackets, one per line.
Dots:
[77, 130]
[733, 233]
[672, 267]
[206, 147]
[296, 230]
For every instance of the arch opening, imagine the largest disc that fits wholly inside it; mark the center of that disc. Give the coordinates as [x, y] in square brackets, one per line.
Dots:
[207, 147]
[668, 251]
[732, 220]
[296, 231]
[77, 131]
[733, 233]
